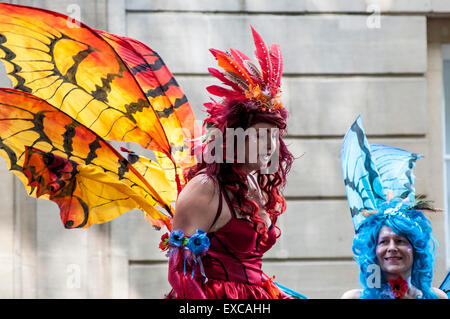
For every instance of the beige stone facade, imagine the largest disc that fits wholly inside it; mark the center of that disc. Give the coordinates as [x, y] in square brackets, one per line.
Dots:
[381, 59]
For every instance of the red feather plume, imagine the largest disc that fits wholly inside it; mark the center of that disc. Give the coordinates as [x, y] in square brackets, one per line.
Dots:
[228, 64]
[216, 73]
[223, 92]
[262, 54]
[239, 57]
[277, 65]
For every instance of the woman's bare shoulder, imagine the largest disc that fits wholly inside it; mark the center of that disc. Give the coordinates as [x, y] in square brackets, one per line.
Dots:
[199, 187]
[439, 293]
[196, 205]
[352, 294]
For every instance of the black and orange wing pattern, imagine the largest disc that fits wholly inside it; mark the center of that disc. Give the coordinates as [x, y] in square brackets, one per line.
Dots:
[59, 159]
[109, 87]
[77, 71]
[165, 96]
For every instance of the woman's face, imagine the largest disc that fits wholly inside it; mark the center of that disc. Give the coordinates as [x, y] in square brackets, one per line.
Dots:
[394, 254]
[265, 142]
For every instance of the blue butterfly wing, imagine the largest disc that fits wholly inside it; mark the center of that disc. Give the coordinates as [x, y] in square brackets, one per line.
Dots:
[361, 178]
[395, 167]
[445, 286]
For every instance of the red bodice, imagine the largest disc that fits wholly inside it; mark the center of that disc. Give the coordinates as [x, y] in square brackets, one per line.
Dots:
[236, 251]
[232, 263]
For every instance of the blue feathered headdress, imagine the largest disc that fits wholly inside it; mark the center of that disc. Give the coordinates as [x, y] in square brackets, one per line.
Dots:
[377, 178]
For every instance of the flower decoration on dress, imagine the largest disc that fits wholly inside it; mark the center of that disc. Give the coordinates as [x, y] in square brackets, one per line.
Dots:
[198, 243]
[399, 286]
[260, 90]
[192, 248]
[164, 244]
[177, 238]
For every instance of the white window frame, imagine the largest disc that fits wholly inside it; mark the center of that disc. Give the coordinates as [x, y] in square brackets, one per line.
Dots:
[445, 52]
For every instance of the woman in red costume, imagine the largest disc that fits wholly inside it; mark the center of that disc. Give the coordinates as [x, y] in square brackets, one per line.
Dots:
[229, 208]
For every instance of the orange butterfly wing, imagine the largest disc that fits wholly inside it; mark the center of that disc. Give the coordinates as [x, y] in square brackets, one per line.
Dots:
[59, 159]
[165, 96]
[77, 71]
[115, 86]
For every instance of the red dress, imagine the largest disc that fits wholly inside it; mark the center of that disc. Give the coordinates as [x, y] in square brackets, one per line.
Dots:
[232, 264]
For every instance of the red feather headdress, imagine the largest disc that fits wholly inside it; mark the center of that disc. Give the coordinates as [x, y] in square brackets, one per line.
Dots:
[247, 83]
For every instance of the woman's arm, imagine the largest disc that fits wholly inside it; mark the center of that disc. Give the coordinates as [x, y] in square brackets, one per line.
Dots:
[196, 206]
[195, 209]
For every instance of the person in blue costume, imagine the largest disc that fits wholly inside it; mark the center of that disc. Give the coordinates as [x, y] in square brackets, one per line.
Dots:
[393, 244]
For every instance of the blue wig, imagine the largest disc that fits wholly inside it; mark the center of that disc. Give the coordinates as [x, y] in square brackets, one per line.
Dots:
[409, 223]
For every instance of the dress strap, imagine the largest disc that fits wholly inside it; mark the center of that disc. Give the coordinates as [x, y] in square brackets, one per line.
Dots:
[219, 208]
[230, 206]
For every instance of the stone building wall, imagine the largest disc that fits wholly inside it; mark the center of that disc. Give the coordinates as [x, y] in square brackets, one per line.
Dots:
[380, 59]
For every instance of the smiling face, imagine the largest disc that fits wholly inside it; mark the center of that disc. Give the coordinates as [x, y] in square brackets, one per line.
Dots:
[394, 254]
